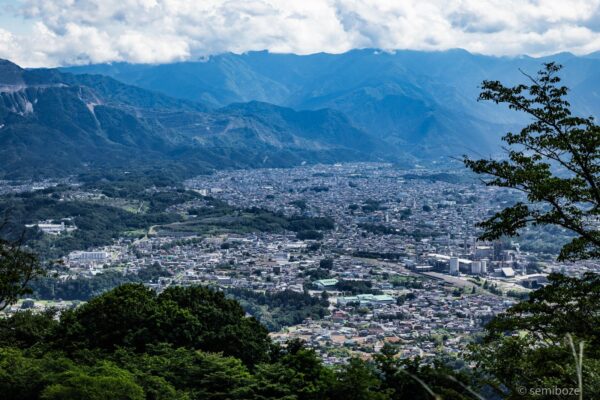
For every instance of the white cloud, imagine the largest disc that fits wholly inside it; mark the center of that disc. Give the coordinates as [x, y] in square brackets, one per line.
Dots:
[157, 31]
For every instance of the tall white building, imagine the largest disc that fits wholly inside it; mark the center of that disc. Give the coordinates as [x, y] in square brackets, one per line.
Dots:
[454, 265]
[484, 266]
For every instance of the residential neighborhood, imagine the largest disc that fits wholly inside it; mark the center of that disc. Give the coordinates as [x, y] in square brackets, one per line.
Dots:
[401, 264]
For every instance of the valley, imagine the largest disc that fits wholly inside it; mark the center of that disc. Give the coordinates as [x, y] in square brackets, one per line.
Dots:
[346, 257]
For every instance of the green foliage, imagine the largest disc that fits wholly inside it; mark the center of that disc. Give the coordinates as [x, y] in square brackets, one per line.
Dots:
[301, 204]
[166, 372]
[309, 235]
[135, 317]
[121, 317]
[359, 381]
[317, 273]
[152, 272]
[405, 213]
[97, 224]
[298, 373]
[159, 192]
[183, 344]
[554, 138]
[297, 223]
[55, 377]
[412, 379]
[534, 344]
[26, 329]
[317, 189]
[356, 287]
[17, 268]
[548, 239]
[527, 345]
[82, 288]
[371, 205]
[407, 281]
[220, 217]
[279, 309]
[102, 382]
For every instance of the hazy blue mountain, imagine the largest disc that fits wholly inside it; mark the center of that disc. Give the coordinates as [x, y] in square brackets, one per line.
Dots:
[59, 123]
[422, 102]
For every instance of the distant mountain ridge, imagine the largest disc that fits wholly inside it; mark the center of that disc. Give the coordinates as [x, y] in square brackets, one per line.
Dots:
[423, 103]
[56, 123]
[263, 109]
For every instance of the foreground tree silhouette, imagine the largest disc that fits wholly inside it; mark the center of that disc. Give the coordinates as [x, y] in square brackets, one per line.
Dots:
[554, 141]
[555, 162]
[528, 345]
[18, 267]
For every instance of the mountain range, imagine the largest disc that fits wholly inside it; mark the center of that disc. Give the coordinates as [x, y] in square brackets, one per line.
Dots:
[420, 103]
[54, 123]
[264, 109]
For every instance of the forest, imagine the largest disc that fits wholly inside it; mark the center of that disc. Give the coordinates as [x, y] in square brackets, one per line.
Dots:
[195, 343]
[126, 206]
[279, 309]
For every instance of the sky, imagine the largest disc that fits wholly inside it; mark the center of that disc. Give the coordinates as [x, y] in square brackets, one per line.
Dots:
[36, 33]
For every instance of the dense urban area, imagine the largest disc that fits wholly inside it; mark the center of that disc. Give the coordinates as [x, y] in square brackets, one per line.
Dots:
[346, 257]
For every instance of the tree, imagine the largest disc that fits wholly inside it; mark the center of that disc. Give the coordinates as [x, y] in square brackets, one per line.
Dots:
[298, 373]
[102, 382]
[326, 263]
[565, 305]
[135, 317]
[20, 377]
[55, 377]
[358, 380]
[207, 320]
[309, 235]
[25, 329]
[438, 378]
[415, 380]
[201, 375]
[122, 317]
[554, 161]
[531, 344]
[17, 268]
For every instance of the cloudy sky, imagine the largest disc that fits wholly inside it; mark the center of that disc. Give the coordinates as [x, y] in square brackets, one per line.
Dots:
[61, 32]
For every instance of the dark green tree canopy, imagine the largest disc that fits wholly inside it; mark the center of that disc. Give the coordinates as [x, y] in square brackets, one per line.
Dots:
[555, 161]
[133, 316]
[532, 344]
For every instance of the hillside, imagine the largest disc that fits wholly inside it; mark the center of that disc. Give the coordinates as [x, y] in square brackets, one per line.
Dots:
[54, 123]
[424, 103]
[263, 109]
